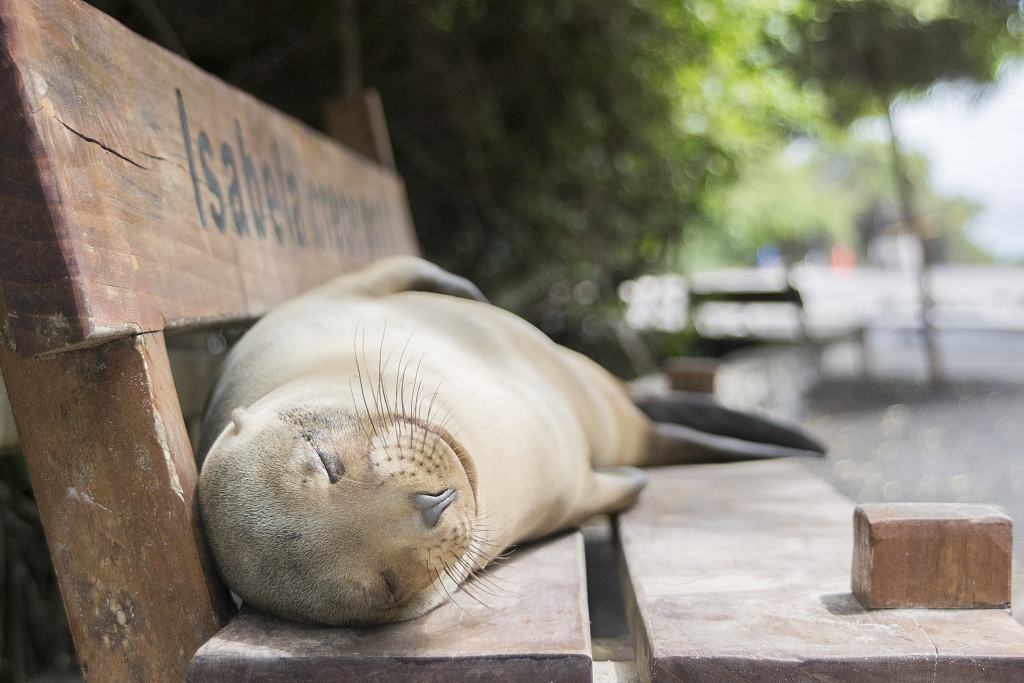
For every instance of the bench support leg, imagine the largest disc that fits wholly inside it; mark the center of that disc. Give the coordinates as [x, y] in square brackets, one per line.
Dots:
[114, 478]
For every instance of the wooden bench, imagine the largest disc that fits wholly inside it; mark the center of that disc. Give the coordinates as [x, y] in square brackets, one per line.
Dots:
[139, 198]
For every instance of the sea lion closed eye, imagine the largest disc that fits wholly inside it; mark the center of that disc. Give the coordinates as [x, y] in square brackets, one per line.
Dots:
[367, 446]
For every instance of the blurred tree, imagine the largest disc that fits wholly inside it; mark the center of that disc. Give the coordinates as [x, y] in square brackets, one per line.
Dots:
[812, 195]
[864, 53]
[553, 148]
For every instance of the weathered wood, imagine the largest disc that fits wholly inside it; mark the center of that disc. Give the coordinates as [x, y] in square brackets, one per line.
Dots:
[528, 622]
[691, 374]
[137, 192]
[741, 572]
[114, 478]
[931, 555]
[359, 123]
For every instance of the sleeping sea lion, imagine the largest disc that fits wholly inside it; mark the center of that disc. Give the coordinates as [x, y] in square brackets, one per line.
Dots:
[374, 441]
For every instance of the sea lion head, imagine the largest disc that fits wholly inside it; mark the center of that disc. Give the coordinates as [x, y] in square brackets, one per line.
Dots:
[320, 512]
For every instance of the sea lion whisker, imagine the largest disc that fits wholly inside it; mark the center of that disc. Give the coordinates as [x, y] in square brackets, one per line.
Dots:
[373, 391]
[481, 542]
[464, 585]
[362, 423]
[448, 415]
[471, 590]
[443, 427]
[483, 582]
[440, 582]
[381, 369]
[414, 405]
[417, 386]
[359, 373]
[480, 582]
[489, 557]
[400, 377]
[485, 515]
[430, 408]
[488, 578]
[481, 577]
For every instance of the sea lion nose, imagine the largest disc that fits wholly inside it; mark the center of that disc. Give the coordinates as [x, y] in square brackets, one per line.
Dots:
[433, 504]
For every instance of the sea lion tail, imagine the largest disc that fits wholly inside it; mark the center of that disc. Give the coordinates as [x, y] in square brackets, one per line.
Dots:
[691, 428]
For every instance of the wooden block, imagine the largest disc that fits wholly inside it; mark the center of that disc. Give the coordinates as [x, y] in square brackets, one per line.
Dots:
[528, 623]
[114, 478]
[691, 374]
[932, 555]
[139, 193]
[741, 572]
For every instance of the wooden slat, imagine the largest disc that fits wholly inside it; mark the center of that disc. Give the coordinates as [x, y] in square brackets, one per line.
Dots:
[137, 192]
[532, 626]
[114, 478]
[742, 572]
[359, 123]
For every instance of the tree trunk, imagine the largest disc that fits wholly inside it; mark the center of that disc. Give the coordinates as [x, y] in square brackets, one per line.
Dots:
[912, 223]
[350, 73]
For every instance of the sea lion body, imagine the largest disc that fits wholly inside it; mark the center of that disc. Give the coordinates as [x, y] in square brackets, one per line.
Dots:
[529, 421]
[367, 446]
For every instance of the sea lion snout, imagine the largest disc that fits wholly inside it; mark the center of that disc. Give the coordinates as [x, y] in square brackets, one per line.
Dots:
[433, 506]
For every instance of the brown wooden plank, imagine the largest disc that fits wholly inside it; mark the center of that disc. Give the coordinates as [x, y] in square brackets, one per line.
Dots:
[742, 572]
[359, 123]
[114, 478]
[931, 555]
[139, 192]
[531, 624]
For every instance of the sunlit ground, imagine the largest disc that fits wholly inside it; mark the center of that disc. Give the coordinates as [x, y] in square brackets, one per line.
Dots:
[891, 437]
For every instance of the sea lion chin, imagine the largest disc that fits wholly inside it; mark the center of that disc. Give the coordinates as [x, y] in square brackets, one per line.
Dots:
[322, 512]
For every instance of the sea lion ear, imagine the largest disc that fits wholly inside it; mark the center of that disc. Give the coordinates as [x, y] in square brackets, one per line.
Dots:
[239, 416]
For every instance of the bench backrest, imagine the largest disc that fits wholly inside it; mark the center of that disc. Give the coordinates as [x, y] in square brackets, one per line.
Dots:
[139, 194]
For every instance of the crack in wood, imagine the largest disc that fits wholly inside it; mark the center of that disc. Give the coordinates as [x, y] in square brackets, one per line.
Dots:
[105, 147]
[151, 156]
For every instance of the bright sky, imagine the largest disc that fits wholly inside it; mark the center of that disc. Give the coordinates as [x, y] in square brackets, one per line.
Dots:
[977, 151]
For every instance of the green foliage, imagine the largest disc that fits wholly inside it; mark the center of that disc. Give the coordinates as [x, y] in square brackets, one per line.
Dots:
[813, 195]
[548, 144]
[536, 137]
[863, 53]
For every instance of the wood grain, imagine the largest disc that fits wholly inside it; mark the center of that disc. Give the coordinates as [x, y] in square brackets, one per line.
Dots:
[931, 555]
[139, 193]
[359, 124]
[114, 478]
[531, 626]
[741, 572]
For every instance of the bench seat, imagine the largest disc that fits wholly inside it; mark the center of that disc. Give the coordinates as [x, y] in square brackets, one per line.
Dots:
[527, 623]
[742, 572]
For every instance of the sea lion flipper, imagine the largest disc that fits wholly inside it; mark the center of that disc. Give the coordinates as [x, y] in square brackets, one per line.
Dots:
[406, 274]
[612, 489]
[674, 444]
[698, 412]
